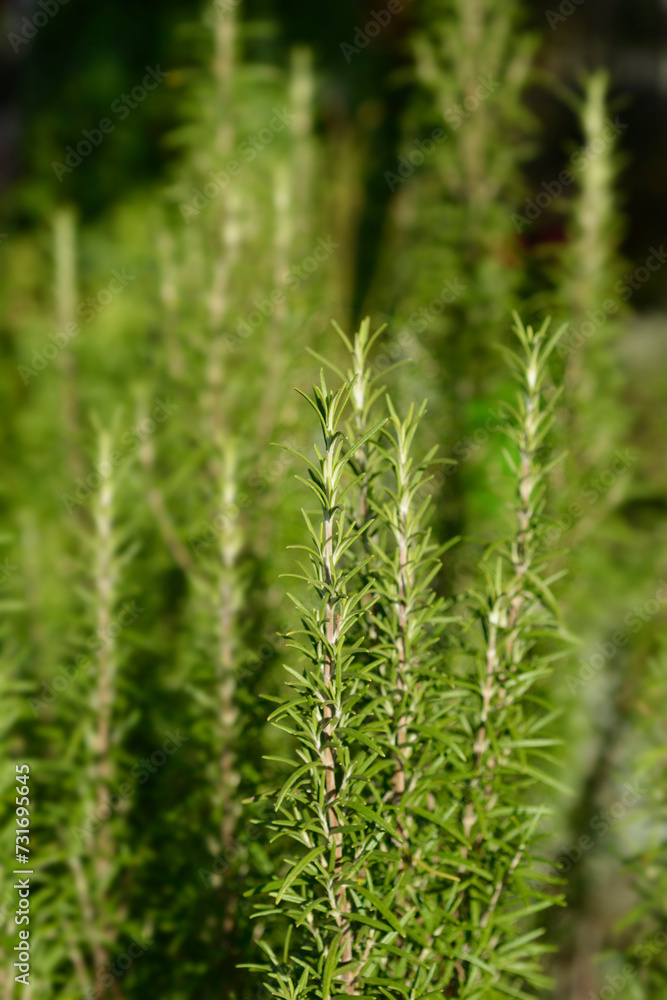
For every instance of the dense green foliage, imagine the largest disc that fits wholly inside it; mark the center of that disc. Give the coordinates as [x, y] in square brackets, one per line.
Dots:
[351, 691]
[410, 798]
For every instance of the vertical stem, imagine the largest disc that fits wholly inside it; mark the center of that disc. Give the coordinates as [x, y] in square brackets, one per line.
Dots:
[170, 299]
[327, 670]
[227, 609]
[275, 350]
[503, 620]
[65, 293]
[302, 86]
[105, 586]
[105, 583]
[223, 71]
[328, 758]
[404, 587]
[472, 137]
[331, 626]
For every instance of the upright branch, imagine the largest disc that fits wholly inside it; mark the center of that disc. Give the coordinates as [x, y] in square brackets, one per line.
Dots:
[322, 800]
[363, 719]
[332, 540]
[364, 397]
[64, 252]
[302, 103]
[593, 246]
[228, 602]
[405, 562]
[106, 583]
[419, 696]
[93, 861]
[474, 57]
[516, 615]
[473, 60]
[223, 72]
[593, 300]
[221, 584]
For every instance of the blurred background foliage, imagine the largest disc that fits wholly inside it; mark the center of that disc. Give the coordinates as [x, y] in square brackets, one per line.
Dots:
[184, 373]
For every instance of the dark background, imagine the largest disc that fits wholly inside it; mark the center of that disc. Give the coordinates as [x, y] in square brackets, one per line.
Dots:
[89, 53]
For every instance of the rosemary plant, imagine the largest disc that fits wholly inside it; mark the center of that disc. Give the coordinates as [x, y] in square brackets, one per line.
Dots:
[89, 822]
[405, 626]
[590, 295]
[515, 629]
[459, 181]
[641, 848]
[216, 525]
[414, 759]
[321, 802]
[410, 800]
[593, 301]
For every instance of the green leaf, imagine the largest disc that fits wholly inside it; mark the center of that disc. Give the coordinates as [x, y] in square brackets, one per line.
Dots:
[330, 966]
[301, 865]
